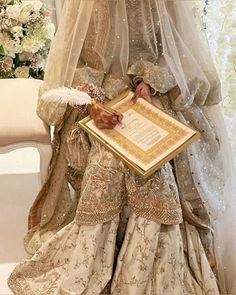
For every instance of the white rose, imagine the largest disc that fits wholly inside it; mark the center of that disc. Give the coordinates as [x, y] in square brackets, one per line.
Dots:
[12, 47]
[13, 11]
[35, 5]
[8, 62]
[4, 37]
[23, 56]
[24, 17]
[25, 13]
[38, 5]
[22, 72]
[31, 45]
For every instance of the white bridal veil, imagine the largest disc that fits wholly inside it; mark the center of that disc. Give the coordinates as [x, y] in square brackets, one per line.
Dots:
[120, 32]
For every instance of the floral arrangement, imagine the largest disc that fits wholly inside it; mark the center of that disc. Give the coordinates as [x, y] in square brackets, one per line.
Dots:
[219, 21]
[26, 32]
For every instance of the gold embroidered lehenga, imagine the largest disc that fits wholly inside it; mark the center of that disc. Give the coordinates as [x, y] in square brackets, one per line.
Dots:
[96, 227]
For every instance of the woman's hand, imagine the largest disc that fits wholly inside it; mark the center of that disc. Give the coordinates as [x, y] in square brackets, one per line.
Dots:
[143, 90]
[105, 117]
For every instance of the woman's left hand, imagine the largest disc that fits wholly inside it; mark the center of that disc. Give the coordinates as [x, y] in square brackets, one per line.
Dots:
[143, 90]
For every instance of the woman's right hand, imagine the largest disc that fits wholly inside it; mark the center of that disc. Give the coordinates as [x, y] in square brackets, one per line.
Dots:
[105, 117]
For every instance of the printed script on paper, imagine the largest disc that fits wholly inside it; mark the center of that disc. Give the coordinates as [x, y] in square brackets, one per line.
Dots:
[146, 138]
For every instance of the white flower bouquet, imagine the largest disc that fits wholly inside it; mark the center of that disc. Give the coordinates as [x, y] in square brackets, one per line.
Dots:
[26, 32]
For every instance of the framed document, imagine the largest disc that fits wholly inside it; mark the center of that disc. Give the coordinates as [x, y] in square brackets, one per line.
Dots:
[147, 137]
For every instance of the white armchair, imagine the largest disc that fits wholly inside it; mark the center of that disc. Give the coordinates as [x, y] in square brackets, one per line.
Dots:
[19, 124]
[19, 127]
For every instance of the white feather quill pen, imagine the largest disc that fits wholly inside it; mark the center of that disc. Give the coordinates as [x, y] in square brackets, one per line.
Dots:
[64, 95]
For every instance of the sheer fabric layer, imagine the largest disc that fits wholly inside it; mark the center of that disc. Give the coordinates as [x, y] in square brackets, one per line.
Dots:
[168, 29]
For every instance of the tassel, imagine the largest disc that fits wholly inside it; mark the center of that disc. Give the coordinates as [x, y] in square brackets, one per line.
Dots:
[77, 148]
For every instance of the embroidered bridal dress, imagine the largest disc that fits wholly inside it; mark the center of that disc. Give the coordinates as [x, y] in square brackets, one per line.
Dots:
[96, 227]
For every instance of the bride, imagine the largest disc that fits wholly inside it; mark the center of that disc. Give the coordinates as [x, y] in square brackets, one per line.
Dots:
[96, 227]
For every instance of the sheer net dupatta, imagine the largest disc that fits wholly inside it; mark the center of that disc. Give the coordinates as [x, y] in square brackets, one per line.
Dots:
[53, 207]
[185, 48]
[106, 37]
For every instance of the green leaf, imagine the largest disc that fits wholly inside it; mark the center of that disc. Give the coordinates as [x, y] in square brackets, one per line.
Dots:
[2, 51]
[11, 2]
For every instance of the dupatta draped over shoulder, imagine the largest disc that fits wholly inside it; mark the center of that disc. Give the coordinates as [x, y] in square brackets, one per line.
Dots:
[115, 44]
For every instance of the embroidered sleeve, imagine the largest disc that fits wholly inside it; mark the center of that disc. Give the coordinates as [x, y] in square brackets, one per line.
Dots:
[52, 111]
[87, 75]
[113, 87]
[158, 77]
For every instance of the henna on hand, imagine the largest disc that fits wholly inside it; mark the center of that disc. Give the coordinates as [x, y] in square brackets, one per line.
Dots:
[105, 118]
[142, 90]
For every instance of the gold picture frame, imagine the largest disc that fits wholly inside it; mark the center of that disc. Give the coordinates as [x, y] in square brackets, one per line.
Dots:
[125, 149]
